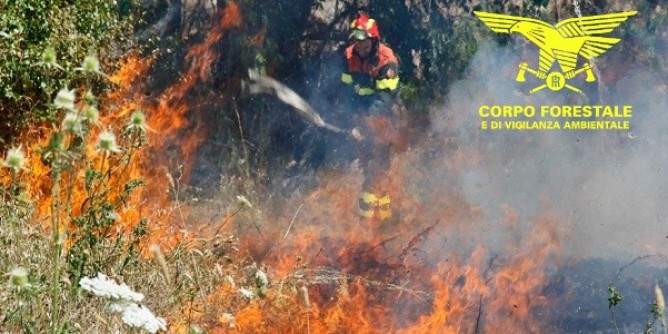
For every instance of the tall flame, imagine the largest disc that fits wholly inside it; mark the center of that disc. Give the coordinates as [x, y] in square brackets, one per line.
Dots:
[174, 118]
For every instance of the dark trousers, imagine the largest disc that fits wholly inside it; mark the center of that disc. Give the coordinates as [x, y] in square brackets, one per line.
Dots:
[376, 125]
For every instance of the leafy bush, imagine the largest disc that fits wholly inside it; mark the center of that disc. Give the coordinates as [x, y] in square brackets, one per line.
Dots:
[72, 30]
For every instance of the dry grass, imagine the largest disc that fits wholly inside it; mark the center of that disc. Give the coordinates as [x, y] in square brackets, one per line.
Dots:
[196, 269]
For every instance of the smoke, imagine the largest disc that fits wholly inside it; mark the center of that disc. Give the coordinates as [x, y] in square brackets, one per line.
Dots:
[606, 187]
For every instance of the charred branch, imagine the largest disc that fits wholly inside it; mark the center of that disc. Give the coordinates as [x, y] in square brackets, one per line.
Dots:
[420, 237]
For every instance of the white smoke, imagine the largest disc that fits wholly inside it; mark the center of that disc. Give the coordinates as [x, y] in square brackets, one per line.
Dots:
[608, 187]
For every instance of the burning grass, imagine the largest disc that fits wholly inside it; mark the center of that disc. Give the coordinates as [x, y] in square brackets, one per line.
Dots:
[77, 206]
[315, 269]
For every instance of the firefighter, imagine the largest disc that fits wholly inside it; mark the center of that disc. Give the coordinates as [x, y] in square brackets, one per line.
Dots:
[372, 78]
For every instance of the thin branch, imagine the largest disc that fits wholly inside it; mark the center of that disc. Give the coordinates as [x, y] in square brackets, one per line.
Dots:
[293, 220]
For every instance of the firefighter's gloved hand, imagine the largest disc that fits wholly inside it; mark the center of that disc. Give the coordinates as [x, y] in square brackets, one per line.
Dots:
[355, 133]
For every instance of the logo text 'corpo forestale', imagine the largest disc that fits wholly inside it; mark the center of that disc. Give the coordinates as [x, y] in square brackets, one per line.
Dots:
[561, 48]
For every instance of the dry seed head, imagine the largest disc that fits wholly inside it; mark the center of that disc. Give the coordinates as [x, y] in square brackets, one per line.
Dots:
[90, 98]
[660, 301]
[303, 295]
[243, 201]
[227, 318]
[230, 281]
[49, 58]
[160, 257]
[111, 214]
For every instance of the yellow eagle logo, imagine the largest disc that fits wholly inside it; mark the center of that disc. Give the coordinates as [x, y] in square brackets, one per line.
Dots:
[562, 42]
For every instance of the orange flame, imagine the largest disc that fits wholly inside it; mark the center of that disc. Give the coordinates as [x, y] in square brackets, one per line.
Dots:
[174, 119]
[330, 273]
[74, 197]
[376, 280]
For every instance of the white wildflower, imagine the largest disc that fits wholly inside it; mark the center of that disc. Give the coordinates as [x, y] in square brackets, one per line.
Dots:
[246, 294]
[107, 142]
[65, 99]
[261, 278]
[139, 316]
[103, 286]
[72, 123]
[137, 121]
[15, 159]
[19, 277]
[243, 201]
[124, 301]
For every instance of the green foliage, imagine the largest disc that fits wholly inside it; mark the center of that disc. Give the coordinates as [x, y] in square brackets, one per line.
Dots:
[615, 297]
[86, 238]
[613, 300]
[71, 30]
[435, 43]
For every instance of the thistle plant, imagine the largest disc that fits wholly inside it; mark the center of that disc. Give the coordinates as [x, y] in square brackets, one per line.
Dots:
[72, 123]
[106, 195]
[91, 114]
[84, 211]
[90, 64]
[15, 159]
[25, 292]
[19, 277]
[106, 143]
[49, 59]
[65, 99]
[137, 122]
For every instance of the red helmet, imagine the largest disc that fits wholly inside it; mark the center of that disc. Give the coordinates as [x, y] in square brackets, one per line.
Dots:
[364, 27]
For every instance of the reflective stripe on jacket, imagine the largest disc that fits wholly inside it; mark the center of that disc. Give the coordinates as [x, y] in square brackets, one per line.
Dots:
[368, 75]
